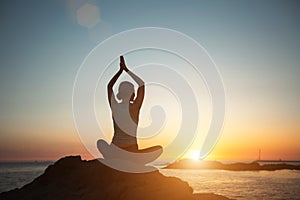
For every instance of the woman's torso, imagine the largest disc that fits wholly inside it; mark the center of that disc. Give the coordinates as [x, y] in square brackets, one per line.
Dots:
[125, 120]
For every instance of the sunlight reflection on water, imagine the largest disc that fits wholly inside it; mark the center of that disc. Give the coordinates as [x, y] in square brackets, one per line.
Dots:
[281, 184]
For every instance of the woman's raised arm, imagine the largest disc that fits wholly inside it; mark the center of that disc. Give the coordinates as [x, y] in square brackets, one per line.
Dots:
[110, 93]
[141, 90]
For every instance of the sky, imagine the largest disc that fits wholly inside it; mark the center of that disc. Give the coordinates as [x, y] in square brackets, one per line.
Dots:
[255, 45]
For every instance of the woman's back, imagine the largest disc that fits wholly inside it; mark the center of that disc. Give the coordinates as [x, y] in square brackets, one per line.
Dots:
[125, 119]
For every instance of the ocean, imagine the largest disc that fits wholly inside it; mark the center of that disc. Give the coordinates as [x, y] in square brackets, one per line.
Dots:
[16, 174]
[240, 185]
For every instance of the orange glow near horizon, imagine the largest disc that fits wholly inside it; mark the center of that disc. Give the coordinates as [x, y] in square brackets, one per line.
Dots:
[229, 147]
[239, 141]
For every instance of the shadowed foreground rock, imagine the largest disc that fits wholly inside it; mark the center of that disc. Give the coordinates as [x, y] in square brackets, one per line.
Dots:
[72, 178]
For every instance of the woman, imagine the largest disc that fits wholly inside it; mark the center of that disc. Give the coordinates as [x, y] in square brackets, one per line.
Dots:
[125, 121]
[126, 113]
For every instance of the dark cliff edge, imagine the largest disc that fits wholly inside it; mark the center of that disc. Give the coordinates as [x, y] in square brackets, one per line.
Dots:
[73, 178]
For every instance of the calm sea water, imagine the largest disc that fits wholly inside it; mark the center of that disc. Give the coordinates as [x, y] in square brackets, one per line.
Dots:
[281, 184]
[16, 174]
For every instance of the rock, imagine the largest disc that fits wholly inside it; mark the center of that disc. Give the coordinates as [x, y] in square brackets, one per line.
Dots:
[72, 178]
[253, 166]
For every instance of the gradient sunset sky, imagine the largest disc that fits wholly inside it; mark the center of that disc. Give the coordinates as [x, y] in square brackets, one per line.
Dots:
[255, 44]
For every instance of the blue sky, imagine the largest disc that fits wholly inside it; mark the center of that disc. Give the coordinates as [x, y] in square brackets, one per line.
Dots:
[255, 44]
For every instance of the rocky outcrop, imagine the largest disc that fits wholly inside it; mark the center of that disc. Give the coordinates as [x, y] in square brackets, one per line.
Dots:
[253, 166]
[72, 178]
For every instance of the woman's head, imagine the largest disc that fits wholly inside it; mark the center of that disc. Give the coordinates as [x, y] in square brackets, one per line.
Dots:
[126, 91]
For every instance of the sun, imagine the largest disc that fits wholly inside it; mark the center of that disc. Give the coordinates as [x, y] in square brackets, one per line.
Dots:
[195, 154]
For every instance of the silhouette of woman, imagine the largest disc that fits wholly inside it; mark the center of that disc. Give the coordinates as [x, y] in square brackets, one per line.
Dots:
[126, 113]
